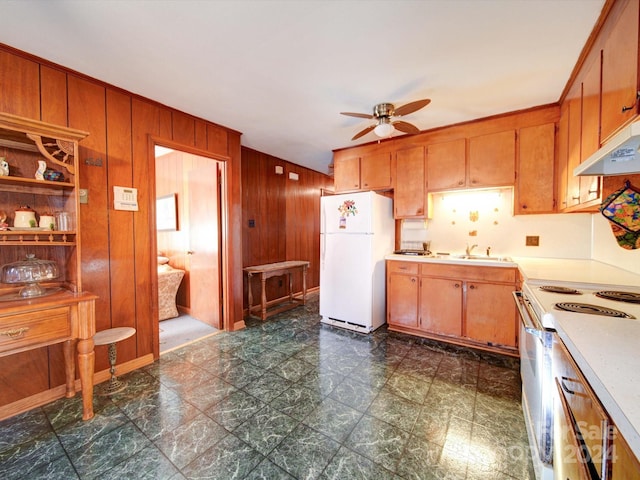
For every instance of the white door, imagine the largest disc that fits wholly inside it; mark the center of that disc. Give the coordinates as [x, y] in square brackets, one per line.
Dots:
[346, 278]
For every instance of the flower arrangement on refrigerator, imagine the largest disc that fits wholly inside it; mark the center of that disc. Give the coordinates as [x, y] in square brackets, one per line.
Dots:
[347, 208]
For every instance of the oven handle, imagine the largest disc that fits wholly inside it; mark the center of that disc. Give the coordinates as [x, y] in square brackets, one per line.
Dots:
[527, 321]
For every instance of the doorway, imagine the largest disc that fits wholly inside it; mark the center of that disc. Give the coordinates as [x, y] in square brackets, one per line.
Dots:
[190, 243]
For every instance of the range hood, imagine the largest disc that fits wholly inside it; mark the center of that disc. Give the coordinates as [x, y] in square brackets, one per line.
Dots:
[619, 156]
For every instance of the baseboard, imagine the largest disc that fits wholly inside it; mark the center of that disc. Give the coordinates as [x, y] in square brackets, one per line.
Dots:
[55, 393]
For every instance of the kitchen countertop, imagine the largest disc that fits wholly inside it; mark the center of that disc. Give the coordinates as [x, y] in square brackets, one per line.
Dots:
[539, 270]
[606, 350]
[452, 260]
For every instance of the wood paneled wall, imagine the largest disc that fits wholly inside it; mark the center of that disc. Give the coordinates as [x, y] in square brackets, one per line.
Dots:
[285, 215]
[118, 247]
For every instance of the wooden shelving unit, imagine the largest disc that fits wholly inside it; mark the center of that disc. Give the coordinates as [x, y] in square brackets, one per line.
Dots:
[67, 314]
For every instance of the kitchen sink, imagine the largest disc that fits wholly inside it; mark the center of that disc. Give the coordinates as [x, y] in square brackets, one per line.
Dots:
[482, 257]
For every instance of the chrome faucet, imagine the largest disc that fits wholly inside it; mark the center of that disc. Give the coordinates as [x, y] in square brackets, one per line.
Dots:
[470, 249]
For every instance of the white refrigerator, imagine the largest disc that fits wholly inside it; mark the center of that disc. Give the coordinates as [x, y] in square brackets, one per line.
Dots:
[357, 230]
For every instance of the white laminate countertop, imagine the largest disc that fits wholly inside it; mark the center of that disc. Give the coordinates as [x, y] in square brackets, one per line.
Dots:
[451, 260]
[574, 271]
[606, 350]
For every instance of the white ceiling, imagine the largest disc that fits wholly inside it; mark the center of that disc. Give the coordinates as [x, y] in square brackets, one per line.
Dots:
[281, 71]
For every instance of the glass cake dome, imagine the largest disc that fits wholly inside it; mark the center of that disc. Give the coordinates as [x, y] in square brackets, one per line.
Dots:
[30, 272]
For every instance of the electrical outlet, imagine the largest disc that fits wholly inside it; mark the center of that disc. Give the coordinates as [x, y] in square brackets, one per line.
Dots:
[532, 241]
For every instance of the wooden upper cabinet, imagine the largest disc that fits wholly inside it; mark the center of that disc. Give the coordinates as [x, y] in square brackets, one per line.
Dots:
[574, 100]
[446, 165]
[346, 173]
[536, 166]
[375, 171]
[620, 69]
[492, 159]
[563, 156]
[590, 136]
[362, 168]
[410, 195]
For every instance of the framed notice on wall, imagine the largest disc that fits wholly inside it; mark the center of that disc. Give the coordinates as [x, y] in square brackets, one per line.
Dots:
[167, 213]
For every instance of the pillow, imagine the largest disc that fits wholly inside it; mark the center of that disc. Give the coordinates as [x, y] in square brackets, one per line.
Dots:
[163, 260]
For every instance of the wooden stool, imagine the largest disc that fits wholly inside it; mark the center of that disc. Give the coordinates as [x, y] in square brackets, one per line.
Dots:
[110, 337]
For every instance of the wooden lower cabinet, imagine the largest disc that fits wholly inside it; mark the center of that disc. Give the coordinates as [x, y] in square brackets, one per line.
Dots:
[462, 304]
[624, 464]
[490, 314]
[402, 294]
[441, 313]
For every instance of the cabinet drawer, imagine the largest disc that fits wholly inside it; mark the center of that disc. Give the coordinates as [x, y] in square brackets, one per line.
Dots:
[590, 418]
[34, 328]
[469, 272]
[410, 268]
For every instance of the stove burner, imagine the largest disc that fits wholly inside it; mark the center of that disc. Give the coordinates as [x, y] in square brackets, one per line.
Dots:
[557, 289]
[629, 297]
[592, 309]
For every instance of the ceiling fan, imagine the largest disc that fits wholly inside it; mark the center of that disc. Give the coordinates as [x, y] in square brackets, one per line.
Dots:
[383, 113]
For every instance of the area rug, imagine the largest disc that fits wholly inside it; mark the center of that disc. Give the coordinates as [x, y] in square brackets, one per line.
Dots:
[180, 331]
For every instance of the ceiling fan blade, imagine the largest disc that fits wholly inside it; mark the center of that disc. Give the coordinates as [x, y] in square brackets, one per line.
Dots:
[362, 133]
[405, 127]
[359, 115]
[411, 107]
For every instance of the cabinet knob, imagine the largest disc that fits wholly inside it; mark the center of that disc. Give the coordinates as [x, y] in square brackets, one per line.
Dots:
[456, 285]
[524, 207]
[460, 182]
[413, 280]
[472, 287]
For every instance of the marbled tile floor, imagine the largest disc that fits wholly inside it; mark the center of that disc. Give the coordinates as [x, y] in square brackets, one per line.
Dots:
[288, 398]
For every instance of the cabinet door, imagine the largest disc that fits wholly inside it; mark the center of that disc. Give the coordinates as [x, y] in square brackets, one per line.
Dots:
[536, 163]
[346, 173]
[574, 101]
[620, 71]
[563, 156]
[409, 195]
[490, 314]
[446, 164]
[590, 136]
[375, 171]
[441, 306]
[402, 300]
[492, 159]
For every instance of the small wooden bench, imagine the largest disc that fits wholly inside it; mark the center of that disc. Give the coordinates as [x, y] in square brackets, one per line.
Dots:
[273, 270]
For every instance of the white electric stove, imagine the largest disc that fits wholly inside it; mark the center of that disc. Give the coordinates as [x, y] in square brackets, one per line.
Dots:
[538, 305]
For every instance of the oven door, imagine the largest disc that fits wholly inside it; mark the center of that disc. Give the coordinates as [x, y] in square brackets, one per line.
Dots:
[537, 379]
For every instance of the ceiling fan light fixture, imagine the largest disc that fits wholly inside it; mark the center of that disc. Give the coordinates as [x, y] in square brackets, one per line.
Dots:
[384, 129]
